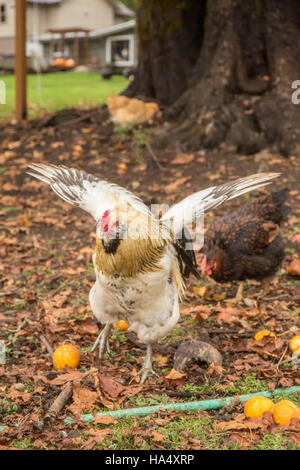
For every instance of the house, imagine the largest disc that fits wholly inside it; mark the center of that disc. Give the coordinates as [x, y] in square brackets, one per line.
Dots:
[114, 46]
[60, 18]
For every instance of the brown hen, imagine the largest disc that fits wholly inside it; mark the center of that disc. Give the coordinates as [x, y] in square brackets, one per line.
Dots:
[246, 244]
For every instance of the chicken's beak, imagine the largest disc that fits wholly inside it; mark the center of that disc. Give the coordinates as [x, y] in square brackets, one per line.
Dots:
[203, 264]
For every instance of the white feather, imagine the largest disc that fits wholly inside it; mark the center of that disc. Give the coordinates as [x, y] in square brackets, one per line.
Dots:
[84, 190]
[189, 209]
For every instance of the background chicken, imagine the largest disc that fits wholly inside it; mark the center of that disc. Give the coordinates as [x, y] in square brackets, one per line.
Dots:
[137, 258]
[124, 110]
[247, 243]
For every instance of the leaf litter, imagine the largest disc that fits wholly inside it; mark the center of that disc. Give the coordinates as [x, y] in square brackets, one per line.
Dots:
[46, 249]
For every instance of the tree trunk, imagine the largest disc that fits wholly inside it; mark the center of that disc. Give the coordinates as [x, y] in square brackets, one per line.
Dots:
[169, 36]
[226, 73]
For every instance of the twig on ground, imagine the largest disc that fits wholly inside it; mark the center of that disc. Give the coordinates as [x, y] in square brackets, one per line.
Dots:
[59, 403]
[281, 358]
[46, 343]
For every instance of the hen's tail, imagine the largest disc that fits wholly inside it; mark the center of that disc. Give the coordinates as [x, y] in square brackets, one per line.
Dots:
[274, 208]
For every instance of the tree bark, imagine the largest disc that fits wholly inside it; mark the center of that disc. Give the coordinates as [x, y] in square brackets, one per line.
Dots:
[169, 37]
[225, 71]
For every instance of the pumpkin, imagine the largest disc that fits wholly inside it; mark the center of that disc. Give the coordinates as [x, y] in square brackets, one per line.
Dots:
[256, 406]
[284, 411]
[66, 355]
[121, 325]
[295, 343]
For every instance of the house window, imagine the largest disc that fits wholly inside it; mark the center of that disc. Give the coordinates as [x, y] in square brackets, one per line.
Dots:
[3, 13]
[120, 50]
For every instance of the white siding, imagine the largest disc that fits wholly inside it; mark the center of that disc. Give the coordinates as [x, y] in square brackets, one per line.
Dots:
[8, 29]
[92, 14]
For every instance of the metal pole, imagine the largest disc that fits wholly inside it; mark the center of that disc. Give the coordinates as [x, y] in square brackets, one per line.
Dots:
[20, 60]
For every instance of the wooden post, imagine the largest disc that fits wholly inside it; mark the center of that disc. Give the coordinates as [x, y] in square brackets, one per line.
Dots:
[87, 48]
[20, 60]
[52, 48]
[76, 48]
[63, 44]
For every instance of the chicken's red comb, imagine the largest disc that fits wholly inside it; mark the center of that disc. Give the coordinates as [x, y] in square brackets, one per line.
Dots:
[104, 221]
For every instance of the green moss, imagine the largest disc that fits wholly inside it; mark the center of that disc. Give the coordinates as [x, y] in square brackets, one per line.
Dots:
[275, 442]
[156, 399]
[170, 14]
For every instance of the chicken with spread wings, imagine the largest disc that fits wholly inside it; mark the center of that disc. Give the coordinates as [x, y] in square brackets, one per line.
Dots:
[138, 258]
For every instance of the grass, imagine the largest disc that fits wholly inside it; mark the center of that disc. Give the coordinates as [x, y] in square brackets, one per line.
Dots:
[60, 90]
[275, 442]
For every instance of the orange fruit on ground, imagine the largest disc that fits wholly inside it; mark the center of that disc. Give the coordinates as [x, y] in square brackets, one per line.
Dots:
[66, 355]
[121, 325]
[256, 406]
[260, 334]
[284, 411]
[295, 343]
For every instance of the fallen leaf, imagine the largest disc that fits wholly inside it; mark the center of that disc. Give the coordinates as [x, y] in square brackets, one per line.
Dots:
[183, 158]
[294, 267]
[110, 386]
[240, 422]
[170, 188]
[104, 419]
[84, 399]
[86, 327]
[121, 168]
[175, 375]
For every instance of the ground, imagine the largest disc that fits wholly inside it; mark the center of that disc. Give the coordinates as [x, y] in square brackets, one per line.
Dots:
[75, 89]
[46, 249]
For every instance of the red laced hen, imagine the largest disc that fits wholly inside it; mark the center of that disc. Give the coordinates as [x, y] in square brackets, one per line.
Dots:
[246, 244]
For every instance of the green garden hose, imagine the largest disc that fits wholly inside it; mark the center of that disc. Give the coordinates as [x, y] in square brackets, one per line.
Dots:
[187, 406]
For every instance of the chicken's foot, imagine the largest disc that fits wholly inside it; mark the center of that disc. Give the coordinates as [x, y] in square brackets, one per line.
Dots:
[147, 367]
[238, 296]
[102, 340]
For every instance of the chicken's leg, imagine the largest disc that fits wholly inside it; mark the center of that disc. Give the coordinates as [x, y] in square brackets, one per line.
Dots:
[103, 340]
[147, 367]
[238, 296]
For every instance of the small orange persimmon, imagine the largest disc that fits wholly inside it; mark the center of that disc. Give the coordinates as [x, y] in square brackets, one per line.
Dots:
[260, 334]
[294, 344]
[66, 355]
[256, 406]
[121, 325]
[284, 411]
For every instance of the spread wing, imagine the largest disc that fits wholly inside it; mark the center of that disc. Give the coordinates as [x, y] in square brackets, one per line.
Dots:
[189, 209]
[84, 190]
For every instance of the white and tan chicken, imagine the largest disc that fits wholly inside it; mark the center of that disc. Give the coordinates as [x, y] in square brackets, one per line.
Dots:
[139, 260]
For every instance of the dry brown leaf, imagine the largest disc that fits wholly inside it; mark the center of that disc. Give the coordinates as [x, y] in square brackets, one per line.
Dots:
[170, 188]
[157, 436]
[175, 375]
[104, 419]
[240, 422]
[110, 386]
[74, 376]
[86, 327]
[122, 168]
[183, 158]
[84, 399]
[294, 267]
